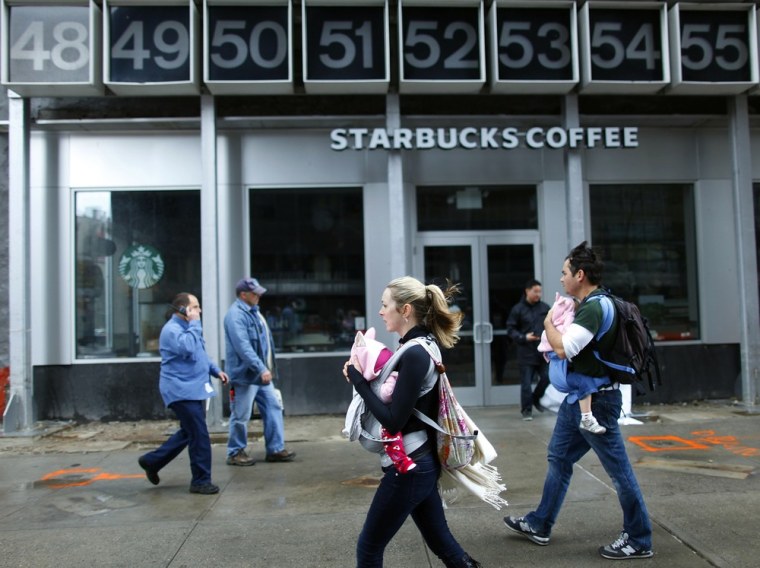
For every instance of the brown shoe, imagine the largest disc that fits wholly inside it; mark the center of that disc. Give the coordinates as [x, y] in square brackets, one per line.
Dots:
[240, 458]
[281, 456]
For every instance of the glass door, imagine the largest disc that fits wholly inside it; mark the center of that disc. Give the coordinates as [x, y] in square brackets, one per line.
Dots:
[491, 272]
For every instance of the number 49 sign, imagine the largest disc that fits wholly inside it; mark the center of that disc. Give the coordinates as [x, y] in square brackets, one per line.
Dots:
[52, 50]
[151, 49]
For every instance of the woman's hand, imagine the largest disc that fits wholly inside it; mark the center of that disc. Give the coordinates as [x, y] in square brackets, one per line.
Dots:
[352, 362]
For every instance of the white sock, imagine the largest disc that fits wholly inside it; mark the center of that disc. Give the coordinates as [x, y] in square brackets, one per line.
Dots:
[586, 415]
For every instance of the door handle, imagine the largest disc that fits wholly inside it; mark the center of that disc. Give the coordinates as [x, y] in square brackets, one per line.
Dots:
[488, 332]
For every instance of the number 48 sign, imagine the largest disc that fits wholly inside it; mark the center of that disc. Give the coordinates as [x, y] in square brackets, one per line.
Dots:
[52, 49]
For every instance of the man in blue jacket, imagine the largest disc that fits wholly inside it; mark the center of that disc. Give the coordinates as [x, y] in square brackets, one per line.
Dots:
[251, 364]
[184, 385]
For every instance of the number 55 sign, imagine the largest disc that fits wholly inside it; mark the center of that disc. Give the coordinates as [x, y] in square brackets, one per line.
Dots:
[51, 49]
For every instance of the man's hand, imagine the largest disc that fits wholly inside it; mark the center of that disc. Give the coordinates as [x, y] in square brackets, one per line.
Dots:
[224, 377]
[266, 377]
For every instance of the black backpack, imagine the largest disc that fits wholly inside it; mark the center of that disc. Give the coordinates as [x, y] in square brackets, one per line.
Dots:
[632, 356]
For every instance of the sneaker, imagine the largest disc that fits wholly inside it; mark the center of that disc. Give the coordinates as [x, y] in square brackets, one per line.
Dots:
[591, 425]
[204, 489]
[527, 415]
[240, 458]
[622, 549]
[521, 526]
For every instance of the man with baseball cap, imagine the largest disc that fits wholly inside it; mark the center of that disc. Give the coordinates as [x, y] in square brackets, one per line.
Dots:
[250, 365]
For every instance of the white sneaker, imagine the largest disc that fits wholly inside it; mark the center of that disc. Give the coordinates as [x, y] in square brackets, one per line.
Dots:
[592, 425]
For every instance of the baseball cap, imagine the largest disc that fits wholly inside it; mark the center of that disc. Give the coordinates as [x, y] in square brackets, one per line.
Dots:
[250, 285]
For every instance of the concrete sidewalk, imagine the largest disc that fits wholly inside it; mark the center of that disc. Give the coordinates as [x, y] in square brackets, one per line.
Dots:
[77, 497]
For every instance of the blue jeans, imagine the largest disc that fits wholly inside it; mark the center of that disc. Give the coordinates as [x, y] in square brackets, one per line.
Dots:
[569, 444]
[527, 372]
[398, 496]
[240, 413]
[193, 435]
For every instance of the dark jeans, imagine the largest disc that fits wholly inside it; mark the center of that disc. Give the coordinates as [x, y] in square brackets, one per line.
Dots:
[569, 444]
[398, 496]
[527, 373]
[192, 434]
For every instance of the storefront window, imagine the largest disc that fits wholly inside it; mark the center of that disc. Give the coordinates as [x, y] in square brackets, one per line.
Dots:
[756, 201]
[135, 250]
[647, 237]
[307, 249]
[475, 208]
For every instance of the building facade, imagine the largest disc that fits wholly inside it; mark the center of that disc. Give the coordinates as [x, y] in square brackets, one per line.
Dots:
[271, 139]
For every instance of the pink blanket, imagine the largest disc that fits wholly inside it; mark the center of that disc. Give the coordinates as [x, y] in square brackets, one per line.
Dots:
[563, 314]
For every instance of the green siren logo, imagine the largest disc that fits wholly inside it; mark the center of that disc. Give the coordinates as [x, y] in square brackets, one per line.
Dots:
[141, 266]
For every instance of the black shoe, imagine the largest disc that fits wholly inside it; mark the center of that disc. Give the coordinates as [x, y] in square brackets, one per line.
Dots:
[281, 456]
[466, 561]
[537, 403]
[622, 549]
[205, 489]
[527, 415]
[521, 526]
[150, 473]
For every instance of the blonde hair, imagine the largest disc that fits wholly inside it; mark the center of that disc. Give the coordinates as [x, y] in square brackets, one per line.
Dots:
[430, 305]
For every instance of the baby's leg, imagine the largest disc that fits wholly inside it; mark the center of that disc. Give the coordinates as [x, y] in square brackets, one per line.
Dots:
[588, 420]
[394, 447]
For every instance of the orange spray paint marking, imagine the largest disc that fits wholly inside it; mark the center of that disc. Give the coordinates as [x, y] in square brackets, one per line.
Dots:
[730, 443]
[81, 476]
[666, 443]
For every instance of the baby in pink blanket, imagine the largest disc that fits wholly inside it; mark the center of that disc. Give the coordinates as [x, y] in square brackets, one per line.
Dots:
[563, 314]
[370, 356]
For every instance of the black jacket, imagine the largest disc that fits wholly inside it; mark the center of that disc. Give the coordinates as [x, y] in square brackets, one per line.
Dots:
[523, 319]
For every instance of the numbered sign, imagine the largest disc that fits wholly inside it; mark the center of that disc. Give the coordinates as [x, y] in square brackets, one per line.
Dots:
[624, 47]
[533, 47]
[713, 48]
[441, 47]
[151, 50]
[345, 46]
[247, 47]
[51, 50]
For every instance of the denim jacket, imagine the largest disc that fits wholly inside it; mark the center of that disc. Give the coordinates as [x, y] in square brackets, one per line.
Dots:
[248, 341]
[185, 365]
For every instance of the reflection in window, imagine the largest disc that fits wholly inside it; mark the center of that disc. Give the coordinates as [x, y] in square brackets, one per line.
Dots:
[487, 208]
[307, 249]
[647, 236]
[135, 250]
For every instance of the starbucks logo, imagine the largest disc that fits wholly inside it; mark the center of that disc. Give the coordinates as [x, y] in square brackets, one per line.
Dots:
[141, 266]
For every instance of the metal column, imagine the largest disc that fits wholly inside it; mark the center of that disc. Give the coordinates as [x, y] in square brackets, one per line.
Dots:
[210, 250]
[576, 218]
[398, 229]
[744, 222]
[19, 412]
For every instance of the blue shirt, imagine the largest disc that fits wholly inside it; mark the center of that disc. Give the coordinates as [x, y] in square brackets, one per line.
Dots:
[249, 344]
[185, 365]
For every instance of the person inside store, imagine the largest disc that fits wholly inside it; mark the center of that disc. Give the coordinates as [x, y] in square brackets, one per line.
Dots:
[251, 365]
[185, 386]
[524, 326]
[581, 278]
[412, 310]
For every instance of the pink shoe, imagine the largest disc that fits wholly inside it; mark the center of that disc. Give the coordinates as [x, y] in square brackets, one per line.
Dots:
[395, 450]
